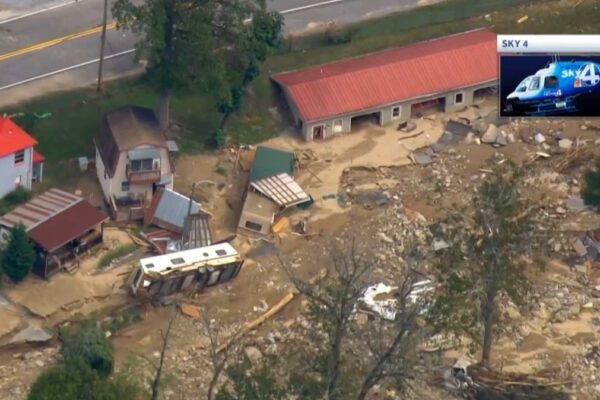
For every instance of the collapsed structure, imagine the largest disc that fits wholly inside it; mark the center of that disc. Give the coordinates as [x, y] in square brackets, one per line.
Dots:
[271, 190]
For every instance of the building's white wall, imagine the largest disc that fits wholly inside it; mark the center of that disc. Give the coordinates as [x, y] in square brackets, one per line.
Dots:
[9, 172]
[103, 177]
[385, 116]
[113, 186]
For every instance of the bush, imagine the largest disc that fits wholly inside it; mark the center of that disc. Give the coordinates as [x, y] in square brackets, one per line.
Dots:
[75, 380]
[18, 196]
[335, 35]
[591, 186]
[19, 255]
[217, 139]
[90, 346]
[72, 381]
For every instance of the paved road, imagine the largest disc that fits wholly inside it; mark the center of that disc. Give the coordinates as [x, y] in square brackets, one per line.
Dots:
[36, 38]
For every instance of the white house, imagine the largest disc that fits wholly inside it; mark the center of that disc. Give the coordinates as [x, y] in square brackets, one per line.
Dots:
[20, 164]
[132, 158]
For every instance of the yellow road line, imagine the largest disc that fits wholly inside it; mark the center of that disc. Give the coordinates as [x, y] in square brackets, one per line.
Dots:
[54, 42]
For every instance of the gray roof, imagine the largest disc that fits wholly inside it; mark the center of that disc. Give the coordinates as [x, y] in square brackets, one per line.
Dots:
[168, 210]
[282, 189]
[196, 231]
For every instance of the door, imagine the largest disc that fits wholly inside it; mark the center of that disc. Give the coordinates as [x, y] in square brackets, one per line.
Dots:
[318, 132]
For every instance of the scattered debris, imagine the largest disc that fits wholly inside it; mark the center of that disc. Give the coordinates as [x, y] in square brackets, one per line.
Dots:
[439, 244]
[574, 203]
[407, 127]
[565, 143]
[579, 247]
[490, 134]
[539, 138]
[190, 310]
[386, 309]
[522, 19]
[420, 158]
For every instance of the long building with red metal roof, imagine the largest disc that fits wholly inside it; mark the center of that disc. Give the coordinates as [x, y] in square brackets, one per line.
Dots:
[448, 71]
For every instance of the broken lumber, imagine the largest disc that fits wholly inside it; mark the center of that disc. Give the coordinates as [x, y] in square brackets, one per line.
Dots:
[258, 321]
[412, 136]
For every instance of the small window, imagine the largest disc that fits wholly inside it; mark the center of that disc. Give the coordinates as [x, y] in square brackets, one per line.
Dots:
[535, 83]
[551, 82]
[459, 98]
[150, 265]
[178, 260]
[205, 254]
[396, 112]
[221, 252]
[19, 157]
[253, 226]
[125, 186]
[337, 125]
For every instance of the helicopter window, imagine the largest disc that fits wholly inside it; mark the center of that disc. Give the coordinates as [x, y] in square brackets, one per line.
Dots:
[551, 82]
[535, 83]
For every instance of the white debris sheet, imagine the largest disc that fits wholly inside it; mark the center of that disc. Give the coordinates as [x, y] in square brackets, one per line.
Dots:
[386, 309]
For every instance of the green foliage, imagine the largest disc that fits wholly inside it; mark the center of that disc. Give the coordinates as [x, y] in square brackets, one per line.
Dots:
[19, 255]
[217, 139]
[75, 380]
[91, 346]
[250, 383]
[116, 253]
[335, 35]
[18, 196]
[591, 186]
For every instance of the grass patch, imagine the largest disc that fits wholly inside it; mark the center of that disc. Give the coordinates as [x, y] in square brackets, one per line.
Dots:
[219, 169]
[123, 320]
[115, 253]
[76, 115]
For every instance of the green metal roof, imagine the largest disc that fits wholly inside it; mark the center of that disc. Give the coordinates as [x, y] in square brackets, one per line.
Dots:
[269, 162]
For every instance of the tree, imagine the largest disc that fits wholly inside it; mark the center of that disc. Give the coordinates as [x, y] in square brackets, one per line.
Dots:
[89, 345]
[591, 186]
[354, 358]
[258, 39]
[250, 383]
[75, 380]
[488, 257]
[186, 43]
[19, 255]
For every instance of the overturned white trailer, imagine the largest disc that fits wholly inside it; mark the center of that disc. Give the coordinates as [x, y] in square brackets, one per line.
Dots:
[185, 270]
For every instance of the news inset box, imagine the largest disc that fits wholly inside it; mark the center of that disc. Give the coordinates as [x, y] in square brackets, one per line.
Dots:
[549, 75]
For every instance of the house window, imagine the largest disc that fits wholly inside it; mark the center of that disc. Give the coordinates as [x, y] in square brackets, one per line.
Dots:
[19, 157]
[458, 98]
[125, 186]
[396, 112]
[337, 125]
[221, 252]
[141, 165]
[253, 226]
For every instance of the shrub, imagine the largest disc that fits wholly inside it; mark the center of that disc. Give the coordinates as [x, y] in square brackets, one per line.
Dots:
[591, 186]
[90, 346]
[19, 255]
[217, 139]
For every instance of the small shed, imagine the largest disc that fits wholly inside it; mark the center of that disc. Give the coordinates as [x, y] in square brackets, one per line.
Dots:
[258, 214]
[61, 225]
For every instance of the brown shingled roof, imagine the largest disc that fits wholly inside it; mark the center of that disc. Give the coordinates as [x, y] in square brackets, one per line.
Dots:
[124, 129]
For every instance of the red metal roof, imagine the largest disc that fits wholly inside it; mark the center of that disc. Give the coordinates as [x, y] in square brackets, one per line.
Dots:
[66, 226]
[37, 157]
[394, 75]
[13, 138]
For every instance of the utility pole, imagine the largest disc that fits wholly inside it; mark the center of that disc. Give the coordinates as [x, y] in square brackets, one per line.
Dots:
[102, 44]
